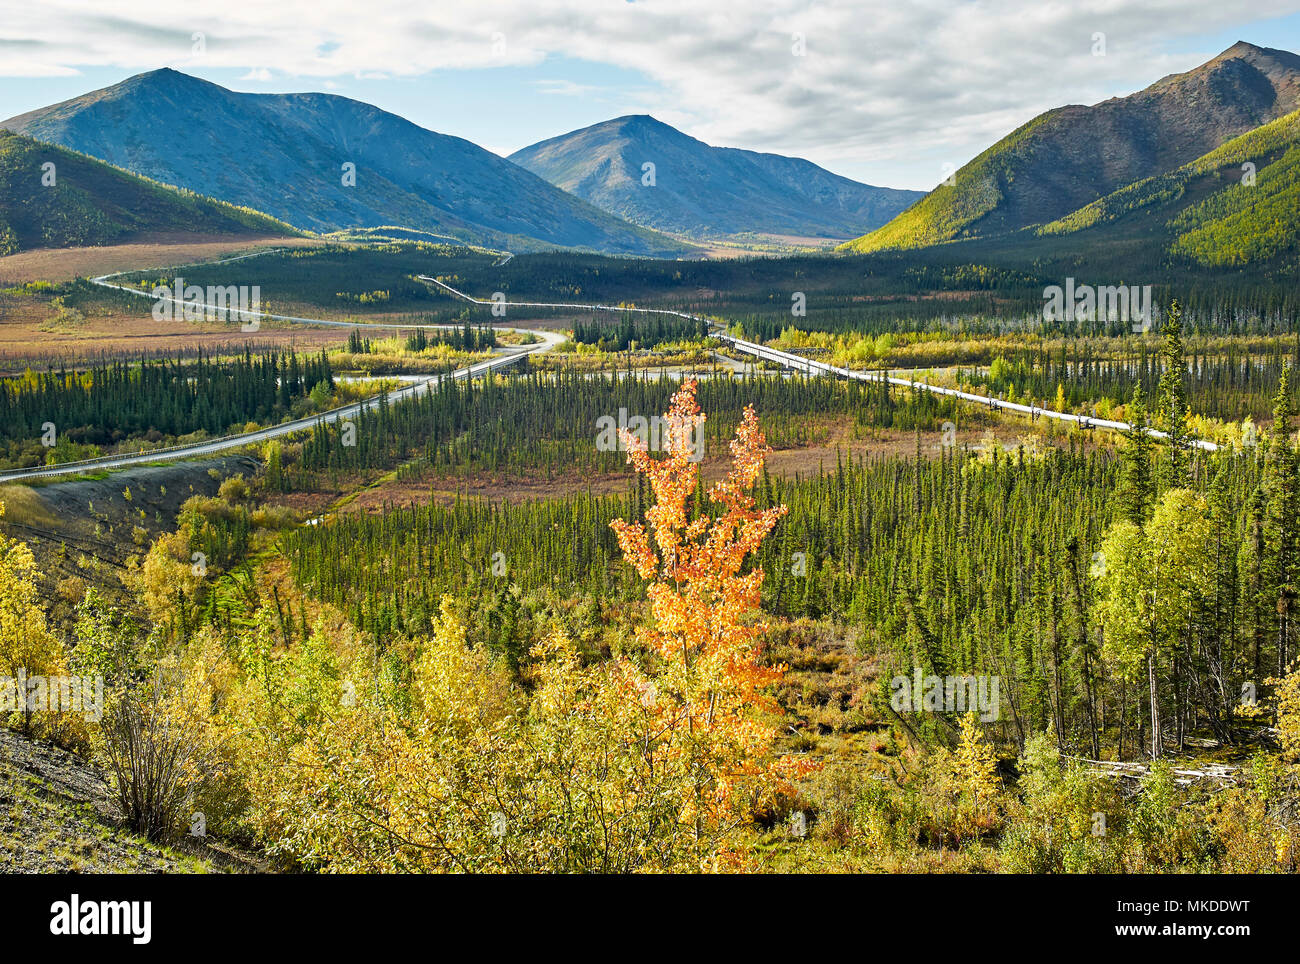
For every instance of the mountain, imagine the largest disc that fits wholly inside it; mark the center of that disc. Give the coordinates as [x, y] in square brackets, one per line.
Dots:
[80, 201]
[1067, 158]
[702, 191]
[284, 154]
[1238, 204]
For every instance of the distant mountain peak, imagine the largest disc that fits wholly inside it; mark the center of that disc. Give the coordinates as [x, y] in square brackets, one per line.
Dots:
[1244, 50]
[635, 119]
[161, 77]
[1273, 64]
[703, 191]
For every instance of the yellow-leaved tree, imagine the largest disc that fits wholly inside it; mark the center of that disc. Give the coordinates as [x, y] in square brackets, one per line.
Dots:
[1288, 715]
[710, 701]
[975, 772]
[26, 644]
[1150, 582]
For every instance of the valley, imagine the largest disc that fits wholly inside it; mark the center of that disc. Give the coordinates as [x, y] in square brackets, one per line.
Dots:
[475, 470]
[645, 499]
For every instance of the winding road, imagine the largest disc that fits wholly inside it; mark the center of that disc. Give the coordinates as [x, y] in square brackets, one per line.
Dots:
[799, 363]
[548, 341]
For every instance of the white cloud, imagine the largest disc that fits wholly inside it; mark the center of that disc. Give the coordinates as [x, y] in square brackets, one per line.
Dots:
[33, 68]
[565, 88]
[260, 74]
[925, 79]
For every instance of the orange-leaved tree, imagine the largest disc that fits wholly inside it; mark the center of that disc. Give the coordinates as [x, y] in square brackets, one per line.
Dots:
[711, 714]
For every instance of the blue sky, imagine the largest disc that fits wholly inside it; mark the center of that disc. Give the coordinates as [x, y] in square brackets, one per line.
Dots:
[887, 94]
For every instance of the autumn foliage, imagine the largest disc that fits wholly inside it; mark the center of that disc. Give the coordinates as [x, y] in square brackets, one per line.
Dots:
[654, 759]
[710, 700]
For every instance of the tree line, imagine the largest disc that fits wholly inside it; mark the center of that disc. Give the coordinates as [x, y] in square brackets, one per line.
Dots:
[171, 395]
[549, 423]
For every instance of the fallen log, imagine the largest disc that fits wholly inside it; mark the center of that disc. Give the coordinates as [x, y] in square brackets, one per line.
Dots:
[1220, 774]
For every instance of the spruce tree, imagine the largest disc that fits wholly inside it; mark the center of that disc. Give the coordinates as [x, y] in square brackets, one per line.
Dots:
[1281, 527]
[1172, 398]
[1136, 487]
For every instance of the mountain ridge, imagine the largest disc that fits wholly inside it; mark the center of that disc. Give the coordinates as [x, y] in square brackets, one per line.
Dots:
[284, 154]
[1046, 169]
[88, 202]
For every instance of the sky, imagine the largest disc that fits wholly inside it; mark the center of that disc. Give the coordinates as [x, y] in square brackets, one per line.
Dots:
[897, 94]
